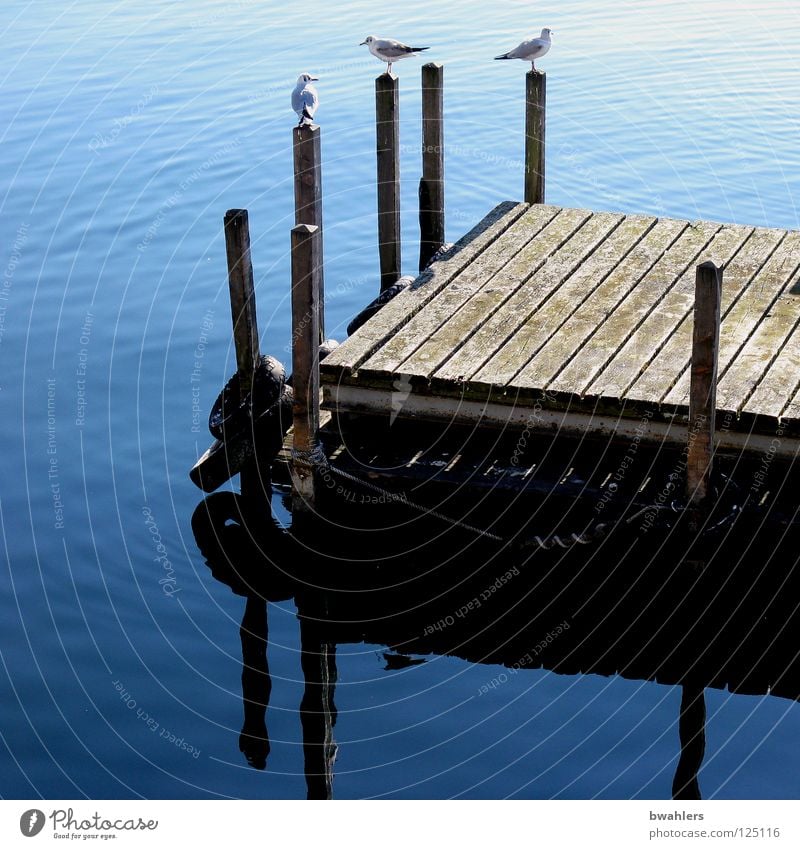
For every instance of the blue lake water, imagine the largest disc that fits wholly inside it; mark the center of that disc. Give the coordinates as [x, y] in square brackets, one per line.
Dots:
[128, 130]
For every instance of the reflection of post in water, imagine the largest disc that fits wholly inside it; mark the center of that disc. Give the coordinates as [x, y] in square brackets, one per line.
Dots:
[256, 682]
[692, 732]
[317, 709]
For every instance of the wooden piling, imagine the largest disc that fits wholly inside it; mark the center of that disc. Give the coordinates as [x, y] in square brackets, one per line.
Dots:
[431, 184]
[254, 481]
[306, 146]
[242, 291]
[703, 385]
[387, 125]
[535, 96]
[305, 363]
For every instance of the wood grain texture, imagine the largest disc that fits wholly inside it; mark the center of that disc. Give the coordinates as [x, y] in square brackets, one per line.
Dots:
[348, 357]
[594, 309]
[671, 309]
[744, 316]
[525, 238]
[572, 336]
[661, 375]
[504, 342]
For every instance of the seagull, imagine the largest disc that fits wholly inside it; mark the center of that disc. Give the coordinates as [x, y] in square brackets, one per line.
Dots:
[305, 98]
[530, 49]
[388, 50]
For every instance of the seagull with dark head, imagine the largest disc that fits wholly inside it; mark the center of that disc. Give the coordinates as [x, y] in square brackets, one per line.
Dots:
[305, 98]
[388, 50]
[530, 49]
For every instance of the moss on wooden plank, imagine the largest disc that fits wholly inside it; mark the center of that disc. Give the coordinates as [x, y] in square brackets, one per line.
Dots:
[526, 233]
[348, 356]
[742, 322]
[664, 317]
[499, 316]
[525, 279]
[659, 377]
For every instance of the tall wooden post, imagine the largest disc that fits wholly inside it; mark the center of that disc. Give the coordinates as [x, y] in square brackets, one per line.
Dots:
[535, 95]
[431, 185]
[387, 125]
[305, 363]
[703, 386]
[253, 482]
[308, 193]
[242, 291]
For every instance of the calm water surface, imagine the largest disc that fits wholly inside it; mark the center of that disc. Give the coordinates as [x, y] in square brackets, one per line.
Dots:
[128, 129]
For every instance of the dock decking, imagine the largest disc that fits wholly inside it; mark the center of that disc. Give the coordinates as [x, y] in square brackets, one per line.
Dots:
[548, 317]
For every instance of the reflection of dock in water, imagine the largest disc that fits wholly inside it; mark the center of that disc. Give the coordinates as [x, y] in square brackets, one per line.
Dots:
[626, 609]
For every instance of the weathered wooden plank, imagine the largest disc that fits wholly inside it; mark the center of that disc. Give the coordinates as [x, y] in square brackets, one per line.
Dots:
[515, 289]
[778, 385]
[763, 347]
[534, 235]
[549, 317]
[673, 359]
[749, 368]
[349, 356]
[742, 320]
[610, 335]
[499, 342]
[792, 409]
[675, 304]
[573, 333]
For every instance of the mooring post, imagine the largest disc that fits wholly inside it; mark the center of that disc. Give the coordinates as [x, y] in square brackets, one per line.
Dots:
[535, 93]
[305, 364]
[308, 193]
[703, 386]
[431, 184]
[245, 326]
[243, 299]
[387, 126]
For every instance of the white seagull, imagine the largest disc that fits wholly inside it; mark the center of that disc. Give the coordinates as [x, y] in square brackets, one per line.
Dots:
[530, 49]
[388, 50]
[305, 98]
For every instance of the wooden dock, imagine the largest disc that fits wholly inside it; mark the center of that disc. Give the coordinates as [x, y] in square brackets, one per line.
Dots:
[552, 318]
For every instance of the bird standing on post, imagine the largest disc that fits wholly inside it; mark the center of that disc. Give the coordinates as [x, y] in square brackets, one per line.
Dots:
[388, 50]
[305, 98]
[530, 49]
